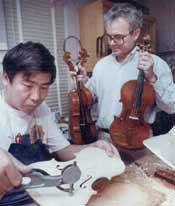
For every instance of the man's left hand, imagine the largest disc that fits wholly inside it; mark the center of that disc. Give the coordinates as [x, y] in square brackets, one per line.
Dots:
[109, 148]
[146, 64]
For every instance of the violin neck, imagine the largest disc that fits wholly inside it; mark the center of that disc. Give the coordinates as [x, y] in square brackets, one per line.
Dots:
[79, 92]
[82, 112]
[139, 89]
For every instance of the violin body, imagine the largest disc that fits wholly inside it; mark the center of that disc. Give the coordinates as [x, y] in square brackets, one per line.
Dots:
[102, 167]
[129, 130]
[90, 133]
[82, 128]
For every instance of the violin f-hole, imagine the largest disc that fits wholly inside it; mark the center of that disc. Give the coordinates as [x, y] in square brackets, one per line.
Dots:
[85, 181]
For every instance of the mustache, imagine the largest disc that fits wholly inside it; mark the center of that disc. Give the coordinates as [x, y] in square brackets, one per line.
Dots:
[34, 103]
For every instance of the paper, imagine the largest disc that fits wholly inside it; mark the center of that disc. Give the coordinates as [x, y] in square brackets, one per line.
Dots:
[163, 146]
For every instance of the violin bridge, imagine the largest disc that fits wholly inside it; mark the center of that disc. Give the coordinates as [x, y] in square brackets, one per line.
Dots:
[134, 118]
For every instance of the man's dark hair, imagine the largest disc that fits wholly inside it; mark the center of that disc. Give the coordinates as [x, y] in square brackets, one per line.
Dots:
[29, 57]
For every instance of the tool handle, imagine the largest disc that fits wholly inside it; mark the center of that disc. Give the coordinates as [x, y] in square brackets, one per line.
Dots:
[166, 174]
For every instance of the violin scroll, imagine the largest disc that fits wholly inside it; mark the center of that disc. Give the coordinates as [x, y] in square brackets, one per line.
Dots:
[145, 44]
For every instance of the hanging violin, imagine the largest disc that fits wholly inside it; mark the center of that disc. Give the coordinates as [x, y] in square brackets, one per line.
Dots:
[129, 130]
[82, 128]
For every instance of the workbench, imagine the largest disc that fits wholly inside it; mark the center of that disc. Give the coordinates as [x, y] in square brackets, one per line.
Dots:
[137, 186]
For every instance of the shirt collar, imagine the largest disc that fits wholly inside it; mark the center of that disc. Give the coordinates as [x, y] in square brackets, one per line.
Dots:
[130, 55]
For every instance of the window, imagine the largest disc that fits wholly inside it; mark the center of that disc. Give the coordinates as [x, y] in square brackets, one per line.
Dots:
[3, 40]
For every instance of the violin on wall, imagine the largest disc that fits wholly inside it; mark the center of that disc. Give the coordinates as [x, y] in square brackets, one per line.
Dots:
[129, 130]
[82, 128]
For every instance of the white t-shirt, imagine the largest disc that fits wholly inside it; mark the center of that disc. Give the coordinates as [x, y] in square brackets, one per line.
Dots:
[109, 76]
[14, 123]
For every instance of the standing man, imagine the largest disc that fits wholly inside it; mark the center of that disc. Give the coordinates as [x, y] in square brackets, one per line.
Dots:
[123, 25]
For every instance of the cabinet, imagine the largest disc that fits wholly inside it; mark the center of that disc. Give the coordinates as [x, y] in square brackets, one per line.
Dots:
[91, 27]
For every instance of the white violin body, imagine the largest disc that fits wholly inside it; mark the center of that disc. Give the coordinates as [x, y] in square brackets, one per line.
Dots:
[93, 163]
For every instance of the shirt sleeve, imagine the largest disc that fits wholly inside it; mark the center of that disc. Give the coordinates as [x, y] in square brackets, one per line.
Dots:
[92, 82]
[54, 138]
[164, 86]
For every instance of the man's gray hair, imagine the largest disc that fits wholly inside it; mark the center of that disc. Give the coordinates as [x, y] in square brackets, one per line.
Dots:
[126, 11]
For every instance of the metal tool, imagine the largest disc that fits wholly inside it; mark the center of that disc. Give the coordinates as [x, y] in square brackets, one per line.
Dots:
[39, 178]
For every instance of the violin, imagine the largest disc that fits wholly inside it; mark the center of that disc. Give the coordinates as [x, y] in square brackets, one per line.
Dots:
[129, 130]
[82, 128]
[95, 173]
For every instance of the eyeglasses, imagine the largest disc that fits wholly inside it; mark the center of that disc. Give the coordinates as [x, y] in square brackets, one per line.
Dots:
[117, 38]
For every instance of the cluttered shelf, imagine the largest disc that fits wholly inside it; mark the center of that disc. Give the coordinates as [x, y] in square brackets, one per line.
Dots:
[169, 57]
[167, 52]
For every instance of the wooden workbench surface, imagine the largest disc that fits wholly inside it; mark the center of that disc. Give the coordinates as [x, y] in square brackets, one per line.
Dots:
[137, 186]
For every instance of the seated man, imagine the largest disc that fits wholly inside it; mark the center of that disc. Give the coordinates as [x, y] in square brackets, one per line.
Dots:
[27, 129]
[11, 171]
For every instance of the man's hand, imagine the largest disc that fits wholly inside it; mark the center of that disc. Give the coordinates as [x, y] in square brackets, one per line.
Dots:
[11, 171]
[146, 64]
[83, 74]
[109, 148]
[79, 75]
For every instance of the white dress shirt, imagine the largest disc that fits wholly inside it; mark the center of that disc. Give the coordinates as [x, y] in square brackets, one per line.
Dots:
[109, 76]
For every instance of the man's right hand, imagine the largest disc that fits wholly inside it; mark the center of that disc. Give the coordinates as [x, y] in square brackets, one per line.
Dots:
[11, 171]
[83, 74]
